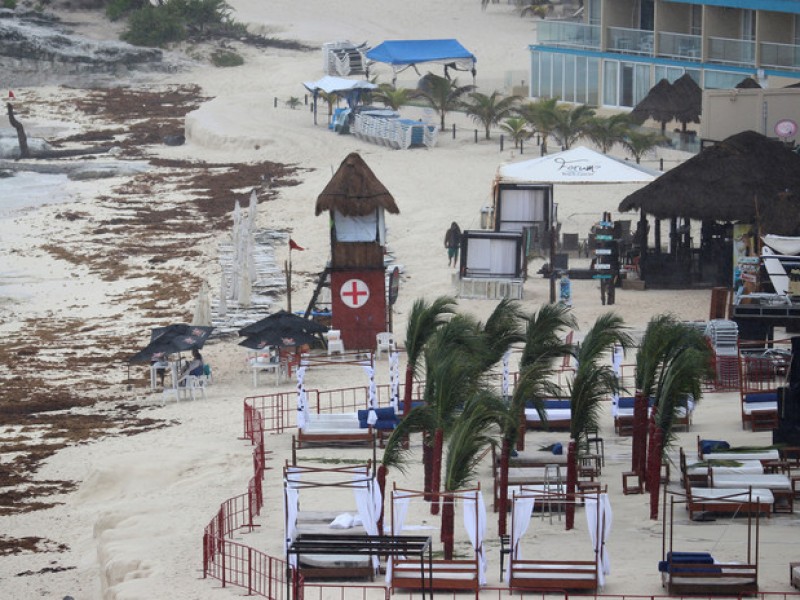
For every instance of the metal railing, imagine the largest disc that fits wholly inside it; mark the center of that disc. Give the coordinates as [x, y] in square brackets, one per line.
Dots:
[568, 34]
[680, 46]
[729, 51]
[630, 41]
[780, 56]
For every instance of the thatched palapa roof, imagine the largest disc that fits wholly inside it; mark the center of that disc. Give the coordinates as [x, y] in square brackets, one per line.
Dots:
[747, 177]
[658, 104]
[354, 190]
[748, 83]
[688, 98]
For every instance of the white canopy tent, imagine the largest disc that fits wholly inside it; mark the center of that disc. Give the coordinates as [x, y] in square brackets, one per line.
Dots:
[350, 89]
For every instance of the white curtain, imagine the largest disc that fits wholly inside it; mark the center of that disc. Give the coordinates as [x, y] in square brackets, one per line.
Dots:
[394, 379]
[235, 257]
[506, 360]
[616, 365]
[302, 408]
[521, 511]
[520, 208]
[363, 228]
[365, 491]
[475, 525]
[290, 512]
[372, 401]
[599, 545]
[222, 307]
[400, 502]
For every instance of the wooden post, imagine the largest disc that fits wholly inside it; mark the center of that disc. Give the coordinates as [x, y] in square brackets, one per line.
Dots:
[24, 152]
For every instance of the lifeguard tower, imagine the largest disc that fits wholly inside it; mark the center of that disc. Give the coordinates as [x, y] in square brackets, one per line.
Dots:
[357, 203]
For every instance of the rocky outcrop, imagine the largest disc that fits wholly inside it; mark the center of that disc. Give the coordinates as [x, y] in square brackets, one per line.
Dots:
[36, 50]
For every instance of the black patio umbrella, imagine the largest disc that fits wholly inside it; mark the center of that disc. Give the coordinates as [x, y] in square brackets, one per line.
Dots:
[172, 339]
[688, 98]
[278, 337]
[283, 321]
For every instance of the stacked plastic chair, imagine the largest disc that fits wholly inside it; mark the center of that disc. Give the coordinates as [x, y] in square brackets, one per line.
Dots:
[723, 335]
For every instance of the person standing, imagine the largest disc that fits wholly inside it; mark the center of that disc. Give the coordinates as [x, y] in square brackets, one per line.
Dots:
[452, 241]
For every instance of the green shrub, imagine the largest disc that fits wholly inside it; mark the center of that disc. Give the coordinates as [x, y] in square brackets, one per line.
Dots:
[12, 4]
[293, 102]
[226, 58]
[152, 26]
[116, 9]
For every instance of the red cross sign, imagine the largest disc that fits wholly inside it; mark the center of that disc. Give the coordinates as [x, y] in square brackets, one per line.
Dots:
[354, 293]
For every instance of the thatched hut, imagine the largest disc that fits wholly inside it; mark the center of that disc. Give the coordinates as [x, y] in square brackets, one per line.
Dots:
[748, 83]
[746, 178]
[659, 104]
[688, 99]
[354, 190]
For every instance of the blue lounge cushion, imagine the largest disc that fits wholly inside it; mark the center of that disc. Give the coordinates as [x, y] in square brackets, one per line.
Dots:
[558, 448]
[628, 402]
[710, 446]
[387, 419]
[761, 397]
[689, 560]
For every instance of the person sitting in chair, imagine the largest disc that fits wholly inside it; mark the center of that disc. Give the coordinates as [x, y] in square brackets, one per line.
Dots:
[195, 367]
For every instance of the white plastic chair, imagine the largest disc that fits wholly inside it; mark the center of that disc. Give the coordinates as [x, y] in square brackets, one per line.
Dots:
[384, 343]
[196, 385]
[335, 343]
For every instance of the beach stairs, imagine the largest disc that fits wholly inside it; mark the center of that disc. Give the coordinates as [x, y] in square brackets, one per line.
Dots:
[323, 281]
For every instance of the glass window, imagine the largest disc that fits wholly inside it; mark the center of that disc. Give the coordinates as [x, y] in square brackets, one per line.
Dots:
[558, 76]
[641, 82]
[594, 12]
[610, 95]
[696, 18]
[719, 80]
[536, 58]
[671, 74]
[544, 75]
[626, 84]
[593, 81]
[695, 74]
[569, 79]
[580, 80]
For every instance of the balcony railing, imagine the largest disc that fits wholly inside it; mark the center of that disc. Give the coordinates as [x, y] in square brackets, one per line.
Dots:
[780, 56]
[568, 34]
[630, 41]
[731, 52]
[680, 46]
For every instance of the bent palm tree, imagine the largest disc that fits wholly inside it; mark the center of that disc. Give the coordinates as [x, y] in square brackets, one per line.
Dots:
[639, 144]
[441, 94]
[543, 345]
[541, 116]
[571, 124]
[392, 97]
[489, 110]
[516, 127]
[475, 430]
[608, 131]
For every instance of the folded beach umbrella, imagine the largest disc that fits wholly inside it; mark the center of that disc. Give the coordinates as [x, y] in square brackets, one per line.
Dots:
[172, 339]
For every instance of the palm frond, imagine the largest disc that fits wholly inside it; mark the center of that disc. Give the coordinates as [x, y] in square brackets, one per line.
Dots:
[502, 329]
[423, 321]
[543, 333]
[475, 431]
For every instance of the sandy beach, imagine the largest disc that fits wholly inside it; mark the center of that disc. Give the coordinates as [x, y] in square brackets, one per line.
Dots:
[129, 523]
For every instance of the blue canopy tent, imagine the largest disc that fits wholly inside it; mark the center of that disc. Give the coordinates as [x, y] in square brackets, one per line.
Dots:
[349, 89]
[402, 54]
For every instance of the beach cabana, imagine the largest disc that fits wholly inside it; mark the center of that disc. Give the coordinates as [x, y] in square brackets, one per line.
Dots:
[523, 191]
[747, 178]
[404, 54]
[349, 89]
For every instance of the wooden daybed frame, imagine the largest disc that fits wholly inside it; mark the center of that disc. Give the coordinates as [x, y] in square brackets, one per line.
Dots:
[328, 542]
[710, 578]
[552, 575]
[450, 575]
[333, 431]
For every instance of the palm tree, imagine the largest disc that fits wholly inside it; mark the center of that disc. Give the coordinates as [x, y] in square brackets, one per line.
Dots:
[674, 361]
[571, 124]
[639, 144]
[475, 430]
[541, 116]
[608, 131]
[392, 97]
[592, 381]
[489, 110]
[543, 345]
[422, 323]
[442, 94]
[330, 99]
[516, 127]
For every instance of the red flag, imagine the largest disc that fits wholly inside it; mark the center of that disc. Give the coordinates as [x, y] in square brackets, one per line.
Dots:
[294, 245]
[11, 94]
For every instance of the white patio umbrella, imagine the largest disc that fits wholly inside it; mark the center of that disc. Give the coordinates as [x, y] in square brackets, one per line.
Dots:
[235, 243]
[394, 378]
[302, 407]
[222, 307]
[252, 210]
[202, 309]
[506, 374]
